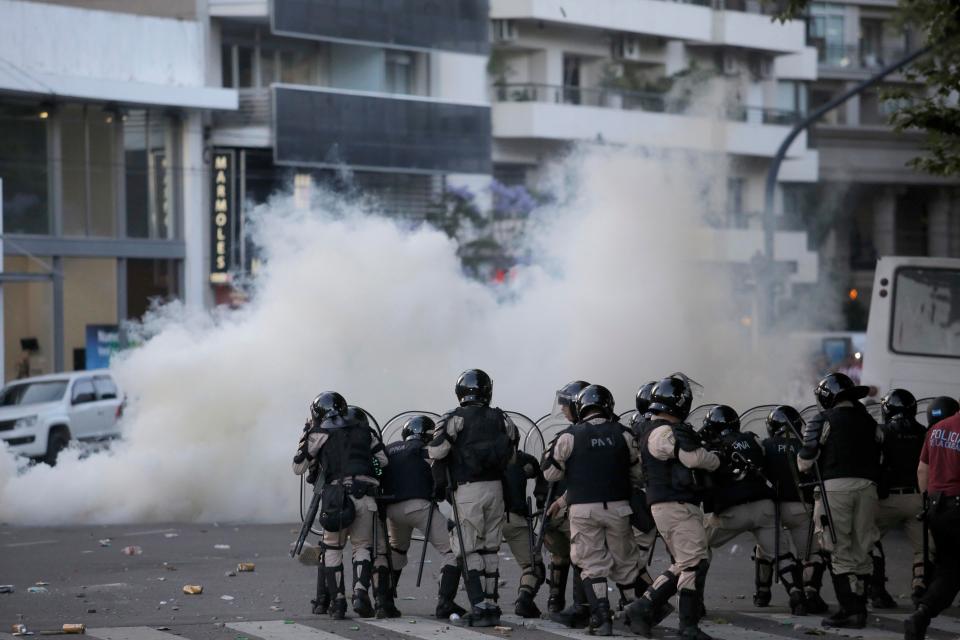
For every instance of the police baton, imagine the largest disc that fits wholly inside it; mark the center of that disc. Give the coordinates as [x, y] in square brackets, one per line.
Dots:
[529, 518]
[923, 517]
[426, 537]
[542, 529]
[456, 524]
[821, 487]
[778, 529]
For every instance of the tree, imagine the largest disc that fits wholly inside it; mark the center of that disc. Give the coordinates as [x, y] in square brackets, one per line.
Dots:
[936, 113]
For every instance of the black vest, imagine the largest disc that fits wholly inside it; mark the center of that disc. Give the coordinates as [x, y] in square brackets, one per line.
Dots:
[407, 476]
[347, 453]
[851, 450]
[515, 484]
[731, 491]
[598, 469]
[902, 442]
[667, 480]
[780, 456]
[482, 449]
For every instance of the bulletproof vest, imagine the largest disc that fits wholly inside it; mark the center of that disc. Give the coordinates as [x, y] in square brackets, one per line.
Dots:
[730, 491]
[902, 442]
[482, 449]
[598, 469]
[407, 475]
[851, 450]
[667, 480]
[347, 453]
[780, 456]
[515, 484]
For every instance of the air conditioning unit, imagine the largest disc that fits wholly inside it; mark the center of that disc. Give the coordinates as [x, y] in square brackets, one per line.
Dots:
[625, 47]
[503, 31]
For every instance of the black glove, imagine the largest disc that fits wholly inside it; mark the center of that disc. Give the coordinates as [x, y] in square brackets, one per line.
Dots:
[302, 453]
[811, 438]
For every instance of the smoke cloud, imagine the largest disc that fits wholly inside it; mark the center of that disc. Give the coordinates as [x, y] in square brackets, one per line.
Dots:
[357, 302]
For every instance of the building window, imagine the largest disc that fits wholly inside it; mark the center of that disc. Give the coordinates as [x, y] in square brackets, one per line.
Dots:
[399, 72]
[792, 97]
[23, 168]
[245, 77]
[571, 79]
[912, 226]
[87, 150]
[226, 65]
[826, 34]
[268, 67]
[147, 142]
[149, 281]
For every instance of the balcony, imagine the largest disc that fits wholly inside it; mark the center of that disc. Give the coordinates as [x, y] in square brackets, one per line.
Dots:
[856, 59]
[637, 118]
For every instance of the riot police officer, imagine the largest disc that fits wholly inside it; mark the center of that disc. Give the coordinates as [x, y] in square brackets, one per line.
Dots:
[673, 464]
[941, 408]
[518, 531]
[784, 426]
[900, 499]
[409, 499]
[345, 449]
[742, 499]
[599, 459]
[476, 442]
[845, 441]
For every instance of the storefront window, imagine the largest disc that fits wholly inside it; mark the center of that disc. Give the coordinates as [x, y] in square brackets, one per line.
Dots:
[28, 319]
[88, 166]
[23, 168]
[149, 281]
[89, 298]
[147, 142]
[73, 169]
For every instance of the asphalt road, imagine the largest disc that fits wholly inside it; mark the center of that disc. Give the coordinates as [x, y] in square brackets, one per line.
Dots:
[88, 579]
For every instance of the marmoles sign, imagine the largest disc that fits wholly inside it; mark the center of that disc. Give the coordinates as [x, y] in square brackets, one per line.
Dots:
[222, 217]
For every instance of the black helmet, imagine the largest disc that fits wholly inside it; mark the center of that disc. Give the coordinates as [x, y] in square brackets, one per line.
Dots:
[898, 402]
[327, 405]
[672, 396]
[940, 409]
[357, 416]
[594, 397]
[474, 387]
[784, 421]
[643, 397]
[567, 398]
[721, 420]
[837, 387]
[419, 427]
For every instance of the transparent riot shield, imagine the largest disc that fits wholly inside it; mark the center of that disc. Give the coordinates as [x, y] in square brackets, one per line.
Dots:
[531, 440]
[695, 418]
[755, 419]
[394, 426]
[808, 413]
[626, 418]
[922, 405]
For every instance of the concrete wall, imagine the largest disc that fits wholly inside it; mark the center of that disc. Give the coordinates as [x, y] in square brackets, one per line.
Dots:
[458, 77]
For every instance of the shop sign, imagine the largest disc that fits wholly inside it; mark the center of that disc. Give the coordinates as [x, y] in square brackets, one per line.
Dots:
[103, 340]
[222, 217]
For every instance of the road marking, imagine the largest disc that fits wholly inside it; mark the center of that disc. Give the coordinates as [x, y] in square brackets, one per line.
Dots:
[949, 625]
[557, 629]
[809, 622]
[279, 630]
[425, 629]
[152, 532]
[129, 633]
[31, 543]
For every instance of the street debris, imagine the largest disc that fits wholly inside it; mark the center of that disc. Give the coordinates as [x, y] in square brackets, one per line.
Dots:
[42, 584]
[74, 628]
[246, 567]
[170, 535]
[503, 630]
[221, 546]
[169, 567]
[274, 607]
[227, 598]
[132, 551]
[231, 574]
[6, 588]
[37, 590]
[193, 589]
[105, 542]
[18, 629]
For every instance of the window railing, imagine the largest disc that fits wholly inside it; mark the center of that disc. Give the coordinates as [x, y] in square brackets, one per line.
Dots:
[627, 100]
[856, 57]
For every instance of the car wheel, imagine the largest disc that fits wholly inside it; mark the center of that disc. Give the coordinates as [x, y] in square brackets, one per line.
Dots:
[57, 441]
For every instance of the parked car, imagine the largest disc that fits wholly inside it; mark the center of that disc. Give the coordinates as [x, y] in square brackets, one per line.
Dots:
[40, 416]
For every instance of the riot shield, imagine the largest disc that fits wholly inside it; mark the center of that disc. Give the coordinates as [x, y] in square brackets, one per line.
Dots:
[808, 413]
[695, 417]
[626, 418]
[531, 440]
[922, 405]
[755, 419]
[394, 426]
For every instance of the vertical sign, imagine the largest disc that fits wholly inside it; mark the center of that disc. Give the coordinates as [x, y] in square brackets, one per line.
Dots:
[103, 340]
[221, 235]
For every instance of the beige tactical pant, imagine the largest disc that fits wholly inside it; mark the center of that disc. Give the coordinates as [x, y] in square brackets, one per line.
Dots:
[517, 536]
[404, 517]
[900, 512]
[681, 527]
[754, 517]
[644, 541]
[853, 504]
[602, 543]
[480, 505]
[360, 534]
[556, 538]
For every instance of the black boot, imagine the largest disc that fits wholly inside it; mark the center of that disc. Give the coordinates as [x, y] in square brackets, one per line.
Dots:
[526, 607]
[386, 608]
[762, 579]
[333, 577]
[601, 621]
[791, 576]
[558, 587]
[449, 583]
[362, 571]
[880, 598]
[852, 613]
[649, 610]
[481, 614]
[812, 583]
[321, 605]
[915, 627]
[395, 580]
[690, 616]
[577, 615]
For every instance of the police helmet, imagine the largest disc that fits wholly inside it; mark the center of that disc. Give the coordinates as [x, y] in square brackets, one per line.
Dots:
[672, 396]
[418, 427]
[567, 397]
[327, 405]
[474, 387]
[837, 387]
[592, 399]
[721, 421]
[357, 417]
[643, 397]
[784, 421]
[898, 402]
[940, 409]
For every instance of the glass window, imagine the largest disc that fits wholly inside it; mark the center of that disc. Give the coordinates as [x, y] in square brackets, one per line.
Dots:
[106, 389]
[73, 153]
[83, 391]
[399, 72]
[102, 135]
[926, 312]
[299, 66]
[148, 280]
[32, 393]
[226, 65]
[827, 34]
[245, 66]
[23, 168]
[149, 181]
[268, 67]
[88, 166]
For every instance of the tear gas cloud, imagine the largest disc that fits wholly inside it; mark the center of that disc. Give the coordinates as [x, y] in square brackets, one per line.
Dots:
[354, 301]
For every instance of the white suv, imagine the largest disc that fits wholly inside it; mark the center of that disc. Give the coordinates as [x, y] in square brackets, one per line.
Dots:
[39, 416]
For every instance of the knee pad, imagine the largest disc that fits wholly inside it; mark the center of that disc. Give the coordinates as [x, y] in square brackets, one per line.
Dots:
[700, 574]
